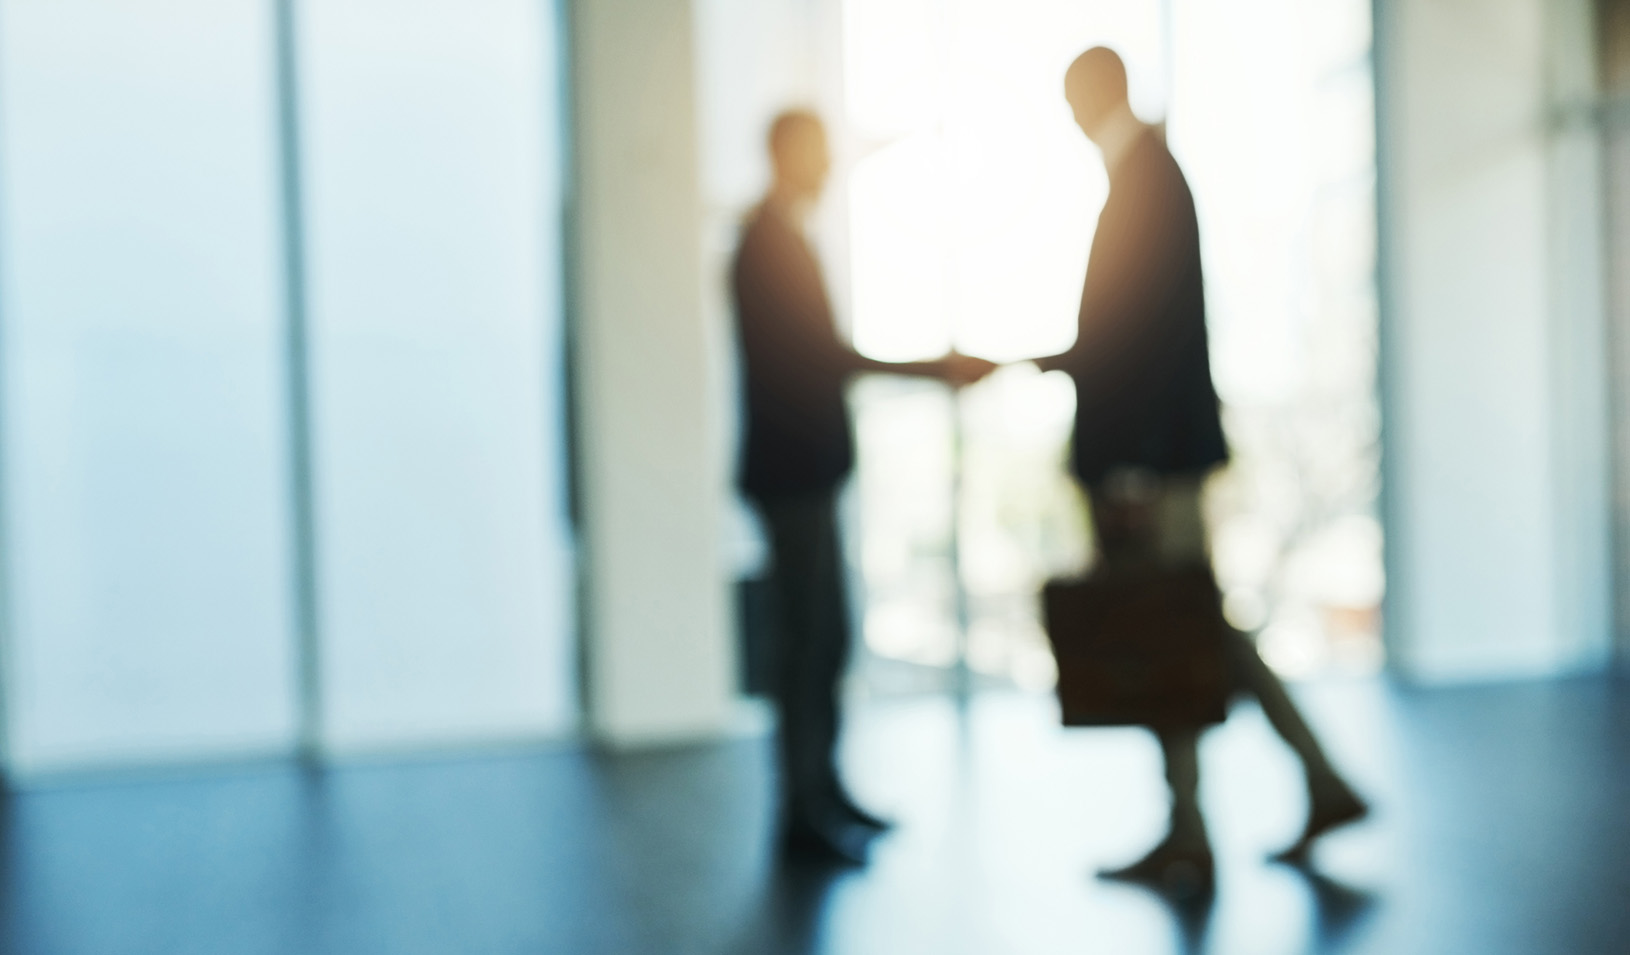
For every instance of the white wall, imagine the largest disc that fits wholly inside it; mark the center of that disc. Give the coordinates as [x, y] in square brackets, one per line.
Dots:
[433, 161]
[140, 288]
[651, 462]
[1493, 369]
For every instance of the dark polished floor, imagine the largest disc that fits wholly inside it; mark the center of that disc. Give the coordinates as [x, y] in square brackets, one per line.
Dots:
[1501, 829]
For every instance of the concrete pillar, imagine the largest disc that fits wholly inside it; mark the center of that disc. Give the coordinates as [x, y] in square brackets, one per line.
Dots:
[650, 466]
[1494, 369]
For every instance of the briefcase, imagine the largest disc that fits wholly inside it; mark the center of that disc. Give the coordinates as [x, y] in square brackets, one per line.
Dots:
[1140, 647]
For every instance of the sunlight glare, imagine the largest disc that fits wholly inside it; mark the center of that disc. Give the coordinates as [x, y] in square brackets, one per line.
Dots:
[971, 225]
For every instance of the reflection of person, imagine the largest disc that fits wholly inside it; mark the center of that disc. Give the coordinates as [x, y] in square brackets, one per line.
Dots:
[798, 450]
[1147, 431]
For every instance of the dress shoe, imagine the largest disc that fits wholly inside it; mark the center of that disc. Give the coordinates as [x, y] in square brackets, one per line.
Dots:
[1180, 873]
[828, 843]
[1331, 805]
[860, 816]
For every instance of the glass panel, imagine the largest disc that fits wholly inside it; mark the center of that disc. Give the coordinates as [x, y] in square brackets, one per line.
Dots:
[433, 157]
[1279, 148]
[971, 214]
[970, 223]
[144, 437]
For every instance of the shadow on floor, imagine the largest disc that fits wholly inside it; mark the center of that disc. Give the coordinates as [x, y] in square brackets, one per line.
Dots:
[1500, 829]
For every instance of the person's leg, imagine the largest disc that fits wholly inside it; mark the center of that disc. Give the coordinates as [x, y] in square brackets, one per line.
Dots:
[807, 667]
[829, 653]
[831, 661]
[1277, 706]
[791, 535]
[1331, 801]
[1182, 539]
[1131, 521]
[1182, 863]
[1181, 750]
[1122, 516]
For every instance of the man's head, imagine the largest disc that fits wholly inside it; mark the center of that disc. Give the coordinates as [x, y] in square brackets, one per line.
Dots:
[799, 155]
[1095, 85]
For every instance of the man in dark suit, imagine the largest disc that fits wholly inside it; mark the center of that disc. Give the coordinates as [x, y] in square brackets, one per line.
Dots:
[797, 451]
[1147, 431]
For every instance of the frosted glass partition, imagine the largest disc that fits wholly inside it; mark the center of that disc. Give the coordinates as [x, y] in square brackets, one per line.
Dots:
[141, 289]
[432, 161]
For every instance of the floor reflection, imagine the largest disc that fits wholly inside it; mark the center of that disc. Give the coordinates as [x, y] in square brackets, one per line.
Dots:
[1340, 911]
[1499, 830]
[1007, 817]
[1337, 913]
[1191, 918]
[792, 914]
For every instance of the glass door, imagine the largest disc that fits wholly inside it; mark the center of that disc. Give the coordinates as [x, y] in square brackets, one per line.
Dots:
[970, 208]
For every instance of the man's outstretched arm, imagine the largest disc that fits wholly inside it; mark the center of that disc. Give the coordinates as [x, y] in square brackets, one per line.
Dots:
[955, 368]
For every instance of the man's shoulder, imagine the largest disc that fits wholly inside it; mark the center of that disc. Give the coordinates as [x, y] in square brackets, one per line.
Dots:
[1152, 160]
[761, 226]
[752, 236]
[768, 240]
[1151, 182]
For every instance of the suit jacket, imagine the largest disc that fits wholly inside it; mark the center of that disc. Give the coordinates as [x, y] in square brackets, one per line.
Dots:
[797, 437]
[1141, 365]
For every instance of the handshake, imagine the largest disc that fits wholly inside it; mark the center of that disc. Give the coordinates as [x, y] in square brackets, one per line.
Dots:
[959, 370]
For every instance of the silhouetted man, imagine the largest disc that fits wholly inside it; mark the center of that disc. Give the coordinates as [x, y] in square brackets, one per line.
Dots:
[1147, 431]
[798, 450]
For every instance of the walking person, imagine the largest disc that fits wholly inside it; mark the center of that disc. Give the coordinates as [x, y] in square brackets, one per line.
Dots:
[1148, 431]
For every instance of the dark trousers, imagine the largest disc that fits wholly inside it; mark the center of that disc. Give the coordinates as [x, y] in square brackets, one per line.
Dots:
[1142, 519]
[812, 647]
